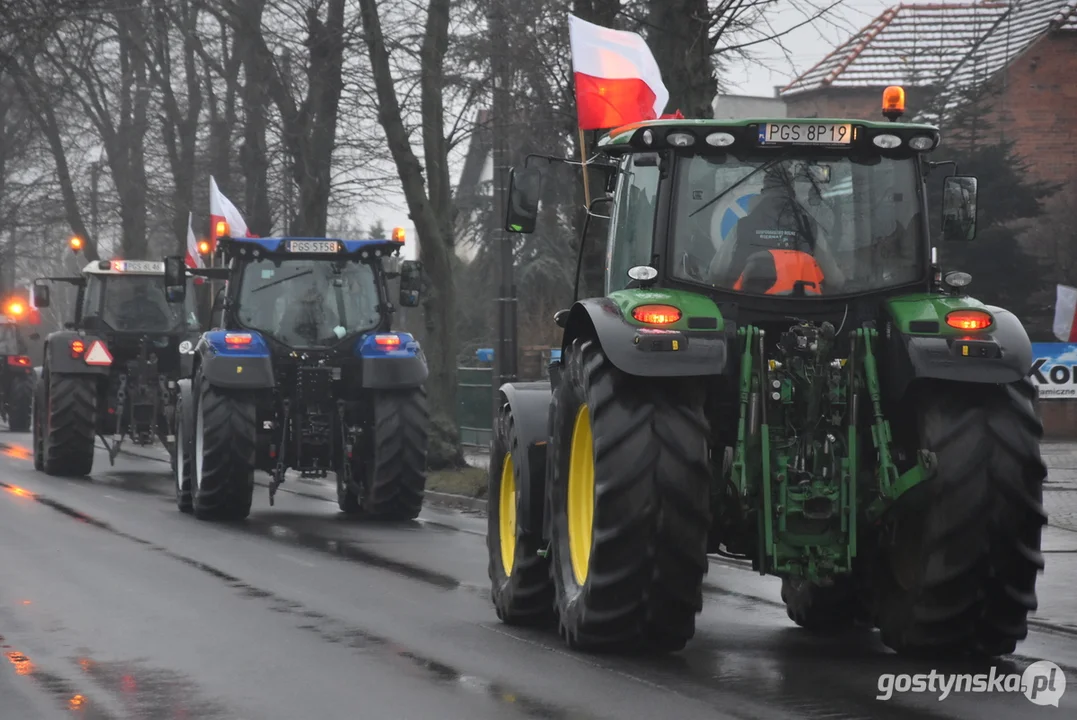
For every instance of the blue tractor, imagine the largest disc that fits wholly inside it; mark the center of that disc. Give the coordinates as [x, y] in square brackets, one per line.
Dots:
[302, 371]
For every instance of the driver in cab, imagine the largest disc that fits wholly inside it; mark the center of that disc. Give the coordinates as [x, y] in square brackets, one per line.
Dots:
[776, 249]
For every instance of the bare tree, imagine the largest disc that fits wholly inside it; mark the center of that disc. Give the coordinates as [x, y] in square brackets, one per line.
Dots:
[429, 199]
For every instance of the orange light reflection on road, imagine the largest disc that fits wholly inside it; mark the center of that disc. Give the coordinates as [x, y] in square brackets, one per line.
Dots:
[76, 702]
[18, 452]
[21, 492]
[22, 664]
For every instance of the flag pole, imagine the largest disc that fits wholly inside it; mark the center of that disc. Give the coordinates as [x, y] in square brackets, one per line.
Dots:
[586, 178]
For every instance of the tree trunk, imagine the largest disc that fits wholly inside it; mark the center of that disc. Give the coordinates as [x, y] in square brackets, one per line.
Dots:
[679, 37]
[430, 208]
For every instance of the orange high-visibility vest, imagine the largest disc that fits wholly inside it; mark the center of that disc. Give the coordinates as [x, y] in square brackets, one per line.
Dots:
[791, 266]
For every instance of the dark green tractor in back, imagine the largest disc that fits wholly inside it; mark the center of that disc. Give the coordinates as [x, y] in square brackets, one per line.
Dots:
[780, 372]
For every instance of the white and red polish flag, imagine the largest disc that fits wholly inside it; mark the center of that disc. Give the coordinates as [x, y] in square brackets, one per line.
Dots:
[617, 78]
[1066, 314]
[221, 208]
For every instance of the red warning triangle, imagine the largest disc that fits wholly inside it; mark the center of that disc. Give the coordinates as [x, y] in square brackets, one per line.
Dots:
[98, 354]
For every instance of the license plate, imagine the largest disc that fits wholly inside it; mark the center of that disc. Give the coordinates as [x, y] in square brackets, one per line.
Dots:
[805, 134]
[312, 246]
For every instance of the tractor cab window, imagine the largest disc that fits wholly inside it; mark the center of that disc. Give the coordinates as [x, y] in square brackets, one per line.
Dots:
[132, 303]
[821, 224]
[632, 223]
[307, 303]
[9, 341]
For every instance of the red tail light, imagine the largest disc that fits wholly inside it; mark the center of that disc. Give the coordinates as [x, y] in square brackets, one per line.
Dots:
[77, 348]
[969, 320]
[657, 314]
[237, 339]
[18, 360]
[387, 340]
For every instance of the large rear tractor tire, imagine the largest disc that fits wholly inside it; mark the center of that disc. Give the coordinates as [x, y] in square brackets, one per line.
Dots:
[68, 421]
[521, 586]
[184, 432]
[19, 408]
[395, 476]
[630, 505]
[225, 433]
[958, 573]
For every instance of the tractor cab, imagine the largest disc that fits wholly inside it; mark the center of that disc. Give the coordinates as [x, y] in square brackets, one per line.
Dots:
[314, 295]
[758, 211]
[16, 374]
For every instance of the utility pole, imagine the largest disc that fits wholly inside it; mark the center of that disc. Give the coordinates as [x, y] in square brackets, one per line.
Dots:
[505, 356]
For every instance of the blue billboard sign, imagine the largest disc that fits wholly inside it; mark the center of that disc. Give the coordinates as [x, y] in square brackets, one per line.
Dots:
[1054, 370]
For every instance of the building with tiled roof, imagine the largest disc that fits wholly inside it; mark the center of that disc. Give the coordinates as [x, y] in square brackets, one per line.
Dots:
[1025, 50]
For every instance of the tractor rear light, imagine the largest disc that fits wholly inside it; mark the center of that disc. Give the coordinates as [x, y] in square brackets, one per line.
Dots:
[77, 348]
[656, 314]
[387, 340]
[18, 360]
[237, 339]
[969, 320]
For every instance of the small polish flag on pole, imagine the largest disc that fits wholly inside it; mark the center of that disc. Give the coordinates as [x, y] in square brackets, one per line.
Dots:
[194, 259]
[617, 78]
[1066, 314]
[221, 210]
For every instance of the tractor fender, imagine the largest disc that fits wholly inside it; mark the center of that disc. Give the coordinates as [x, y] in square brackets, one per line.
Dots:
[641, 351]
[247, 367]
[529, 403]
[187, 354]
[58, 354]
[391, 361]
[1002, 355]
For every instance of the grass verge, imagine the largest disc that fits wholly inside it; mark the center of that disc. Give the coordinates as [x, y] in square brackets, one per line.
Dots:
[470, 482]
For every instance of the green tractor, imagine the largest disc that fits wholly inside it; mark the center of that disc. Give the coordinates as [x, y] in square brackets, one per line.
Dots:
[779, 372]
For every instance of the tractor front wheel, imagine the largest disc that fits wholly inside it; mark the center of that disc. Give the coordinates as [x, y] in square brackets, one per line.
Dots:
[521, 587]
[225, 433]
[962, 550]
[67, 424]
[629, 503]
[19, 408]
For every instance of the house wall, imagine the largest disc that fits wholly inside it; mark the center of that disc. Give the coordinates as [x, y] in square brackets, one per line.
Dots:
[1038, 108]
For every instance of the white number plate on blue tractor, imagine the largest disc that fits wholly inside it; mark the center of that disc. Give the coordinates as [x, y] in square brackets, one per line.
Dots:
[313, 246]
[805, 134]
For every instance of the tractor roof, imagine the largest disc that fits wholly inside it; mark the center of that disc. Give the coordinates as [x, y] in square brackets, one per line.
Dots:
[747, 130]
[125, 267]
[316, 245]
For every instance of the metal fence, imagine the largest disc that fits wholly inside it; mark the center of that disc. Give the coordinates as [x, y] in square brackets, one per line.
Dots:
[474, 405]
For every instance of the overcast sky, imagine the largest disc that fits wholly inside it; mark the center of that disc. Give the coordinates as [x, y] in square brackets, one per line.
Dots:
[774, 63]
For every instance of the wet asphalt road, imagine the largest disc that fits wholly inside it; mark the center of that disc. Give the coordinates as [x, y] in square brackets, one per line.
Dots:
[114, 605]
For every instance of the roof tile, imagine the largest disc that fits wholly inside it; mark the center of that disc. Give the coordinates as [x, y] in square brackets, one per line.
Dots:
[951, 44]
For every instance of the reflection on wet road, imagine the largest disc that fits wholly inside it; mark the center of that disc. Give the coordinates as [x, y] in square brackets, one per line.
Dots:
[114, 605]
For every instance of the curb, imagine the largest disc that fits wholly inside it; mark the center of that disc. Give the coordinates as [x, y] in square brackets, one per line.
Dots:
[449, 500]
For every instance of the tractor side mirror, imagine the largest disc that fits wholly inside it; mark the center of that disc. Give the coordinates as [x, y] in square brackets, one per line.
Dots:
[411, 282]
[959, 211]
[216, 312]
[175, 279]
[39, 295]
[525, 189]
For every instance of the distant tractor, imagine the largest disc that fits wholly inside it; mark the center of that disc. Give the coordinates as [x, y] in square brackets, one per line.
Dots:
[16, 377]
[112, 370]
[303, 371]
[779, 372]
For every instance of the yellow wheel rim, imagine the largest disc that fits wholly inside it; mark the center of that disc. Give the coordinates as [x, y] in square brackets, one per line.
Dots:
[581, 495]
[507, 514]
